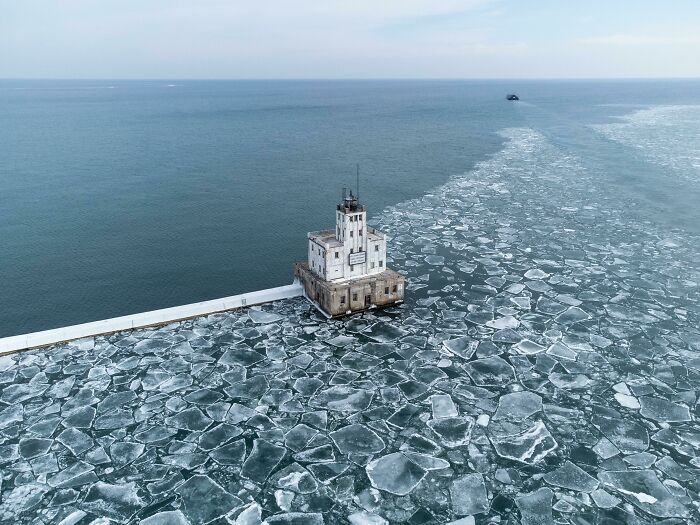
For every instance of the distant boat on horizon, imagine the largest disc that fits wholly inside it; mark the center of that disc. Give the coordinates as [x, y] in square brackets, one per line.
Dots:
[512, 97]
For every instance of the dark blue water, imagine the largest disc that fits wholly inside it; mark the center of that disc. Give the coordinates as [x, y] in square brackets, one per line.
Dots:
[118, 197]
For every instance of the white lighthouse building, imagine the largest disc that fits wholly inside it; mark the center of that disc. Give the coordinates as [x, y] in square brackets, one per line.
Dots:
[352, 249]
[346, 269]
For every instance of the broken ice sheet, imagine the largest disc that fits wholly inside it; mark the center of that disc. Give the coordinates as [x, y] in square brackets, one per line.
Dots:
[384, 332]
[229, 454]
[33, 447]
[263, 317]
[468, 495]
[490, 371]
[240, 355]
[452, 431]
[118, 418]
[21, 499]
[462, 346]
[171, 517]
[572, 477]
[572, 315]
[604, 499]
[357, 439]
[446, 381]
[359, 362]
[536, 273]
[548, 306]
[295, 478]
[529, 446]
[559, 349]
[536, 507]
[124, 453]
[528, 347]
[660, 409]
[295, 518]
[518, 406]
[435, 260]
[504, 322]
[627, 435]
[189, 419]
[75, 440]
[443, 406]
[342, 399]
[118, 502]
[395, 473]
[569, 381]
[204, 500]
[263, 459]
[644, 490]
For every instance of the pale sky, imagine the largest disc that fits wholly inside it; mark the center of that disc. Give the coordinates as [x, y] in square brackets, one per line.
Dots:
[185, 39]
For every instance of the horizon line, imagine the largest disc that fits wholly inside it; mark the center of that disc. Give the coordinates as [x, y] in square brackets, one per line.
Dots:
[272, 79]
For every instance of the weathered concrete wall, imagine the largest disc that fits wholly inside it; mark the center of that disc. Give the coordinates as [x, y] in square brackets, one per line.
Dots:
[155, 317]
[336, 299]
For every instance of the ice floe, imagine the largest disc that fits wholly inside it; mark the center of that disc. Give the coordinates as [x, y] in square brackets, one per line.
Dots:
[543, 369]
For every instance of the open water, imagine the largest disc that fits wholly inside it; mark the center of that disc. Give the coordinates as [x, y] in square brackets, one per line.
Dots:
[544, 368]
[124, 196]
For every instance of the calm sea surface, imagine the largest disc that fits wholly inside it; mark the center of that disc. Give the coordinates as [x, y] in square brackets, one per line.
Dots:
[123, 196]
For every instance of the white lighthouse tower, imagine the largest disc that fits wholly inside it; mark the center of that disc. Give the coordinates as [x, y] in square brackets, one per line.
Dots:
[352, 250]
[346, 269]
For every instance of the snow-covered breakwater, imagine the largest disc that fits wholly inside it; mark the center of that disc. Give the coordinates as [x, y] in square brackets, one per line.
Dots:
[141, 320]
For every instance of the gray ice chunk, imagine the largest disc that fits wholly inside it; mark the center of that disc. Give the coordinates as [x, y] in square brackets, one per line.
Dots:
[443, 406]
[518, 405]
[452, 431]
[660, 409]
[468, 495]
[204, 500]
[263, 459]
[118, 502]
[644, 490]
[536, 507]
[395, 473]
[529, 446]
[357, 439]
[572, 477]
[342, 398]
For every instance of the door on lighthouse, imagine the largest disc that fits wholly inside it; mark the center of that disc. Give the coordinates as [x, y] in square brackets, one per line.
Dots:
[368, 300]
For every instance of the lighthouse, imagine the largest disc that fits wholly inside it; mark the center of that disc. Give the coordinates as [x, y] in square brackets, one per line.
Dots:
[346, 269]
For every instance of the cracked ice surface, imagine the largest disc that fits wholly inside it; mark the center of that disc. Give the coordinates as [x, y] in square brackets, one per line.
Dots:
[545, 368]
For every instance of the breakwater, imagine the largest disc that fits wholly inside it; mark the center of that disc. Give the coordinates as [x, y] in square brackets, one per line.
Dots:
[21, 342]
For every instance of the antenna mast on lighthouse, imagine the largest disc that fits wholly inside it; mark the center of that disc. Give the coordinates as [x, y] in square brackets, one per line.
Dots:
[358, 182]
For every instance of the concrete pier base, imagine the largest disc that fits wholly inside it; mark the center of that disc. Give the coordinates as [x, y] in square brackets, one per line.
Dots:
[340, 298]
[17, 343]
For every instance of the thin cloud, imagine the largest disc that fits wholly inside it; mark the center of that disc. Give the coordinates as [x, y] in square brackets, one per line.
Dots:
[639, 40]
[344, 39]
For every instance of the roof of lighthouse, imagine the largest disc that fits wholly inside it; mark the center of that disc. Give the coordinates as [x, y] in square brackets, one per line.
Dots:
[325, 238]
[350, 203]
